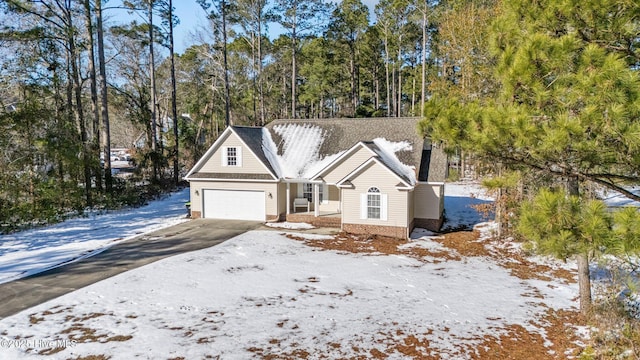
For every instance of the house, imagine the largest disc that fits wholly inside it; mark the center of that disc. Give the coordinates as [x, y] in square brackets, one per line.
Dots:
[373, 175]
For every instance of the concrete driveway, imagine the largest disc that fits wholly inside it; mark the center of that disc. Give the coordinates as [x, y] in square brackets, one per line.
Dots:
[193, 235]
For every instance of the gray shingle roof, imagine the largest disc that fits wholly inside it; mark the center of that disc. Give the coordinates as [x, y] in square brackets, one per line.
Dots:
[342, 134]
[383, 159]
[252, 136]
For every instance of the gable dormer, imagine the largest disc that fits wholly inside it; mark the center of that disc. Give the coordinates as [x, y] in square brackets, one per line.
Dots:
[234, 156]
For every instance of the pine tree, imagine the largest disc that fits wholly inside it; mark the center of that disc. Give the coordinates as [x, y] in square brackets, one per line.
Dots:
[568, 99]
[565, 226]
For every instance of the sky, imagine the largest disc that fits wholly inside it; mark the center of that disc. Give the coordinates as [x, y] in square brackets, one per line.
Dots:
[193, 18]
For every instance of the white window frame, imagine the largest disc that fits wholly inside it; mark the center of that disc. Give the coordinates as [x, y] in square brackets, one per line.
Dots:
[307, 191]
[226, 158]
[374, 203]
[365, 204]
[322, 190]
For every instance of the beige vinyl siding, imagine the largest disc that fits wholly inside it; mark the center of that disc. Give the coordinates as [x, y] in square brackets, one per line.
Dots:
[250, 164]
[376, 176]
[271, 203]
[282, 198]
[293, 188]
[411, 206]
[347, 165]
[428, 202]
[333, 203]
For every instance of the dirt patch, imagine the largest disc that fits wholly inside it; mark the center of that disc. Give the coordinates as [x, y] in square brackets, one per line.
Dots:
[414, 347]
[469, 243]
[518, 343]
[33, 319]
[50, 351]
[465, 243]
[295, 354]
[93, 357]
[82, 334]
[376, 245]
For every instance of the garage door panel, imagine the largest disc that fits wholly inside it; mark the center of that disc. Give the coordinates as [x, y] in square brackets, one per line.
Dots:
[234, 204]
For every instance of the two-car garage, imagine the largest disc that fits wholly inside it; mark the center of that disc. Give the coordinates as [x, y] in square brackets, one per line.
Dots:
[234, 204]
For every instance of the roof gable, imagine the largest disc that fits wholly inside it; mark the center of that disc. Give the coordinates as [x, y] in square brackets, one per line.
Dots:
[340, 159]
[249, 137]
[347, 180]
[253, 138]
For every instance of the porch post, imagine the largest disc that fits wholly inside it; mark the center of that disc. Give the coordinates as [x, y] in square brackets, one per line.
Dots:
[316, 195]
[288, 198]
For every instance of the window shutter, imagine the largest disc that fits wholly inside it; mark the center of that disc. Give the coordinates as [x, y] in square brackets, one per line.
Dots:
[363, 206]
[224, 156]
[238, 156]
[383, 207]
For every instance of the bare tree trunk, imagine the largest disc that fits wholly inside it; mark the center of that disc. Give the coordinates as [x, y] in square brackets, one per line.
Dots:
[393, 90]
[386, 68]
[260, 83]
[284, 108]
[152, 76]
[104, 102]
[174, 106]
[424, 58]
[377, 87]
[413, 97]
[227, 99]
[584, 283]
[352, 66]
[94, 93]
[293, 73]
[584, 278]
[79, 112]
[399, 111]
[254, 81]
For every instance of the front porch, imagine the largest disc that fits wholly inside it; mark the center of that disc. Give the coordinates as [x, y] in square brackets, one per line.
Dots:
[324, 218]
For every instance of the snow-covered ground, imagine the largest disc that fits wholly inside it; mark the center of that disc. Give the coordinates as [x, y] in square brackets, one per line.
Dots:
[460, 202]
[29, 252]
[290, 225]
[264, 293]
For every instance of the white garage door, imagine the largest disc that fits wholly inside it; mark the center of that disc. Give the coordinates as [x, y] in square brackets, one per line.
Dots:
[234, 204]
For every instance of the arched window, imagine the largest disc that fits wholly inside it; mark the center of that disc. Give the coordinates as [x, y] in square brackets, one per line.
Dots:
[373, 203]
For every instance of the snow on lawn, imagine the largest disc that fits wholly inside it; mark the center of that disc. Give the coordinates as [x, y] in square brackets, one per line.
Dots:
[262, 293]
[291, 225]
[459, 201]
[29, 252]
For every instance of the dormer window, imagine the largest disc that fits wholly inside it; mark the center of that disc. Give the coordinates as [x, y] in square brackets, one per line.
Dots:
[231, 156]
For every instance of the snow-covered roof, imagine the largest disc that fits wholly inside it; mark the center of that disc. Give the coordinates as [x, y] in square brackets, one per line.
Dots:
[302, 148]
[300, 155]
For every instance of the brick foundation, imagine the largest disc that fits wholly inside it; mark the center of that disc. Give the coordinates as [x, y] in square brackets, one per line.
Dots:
[429, 224]
[196, 214]
[391, 231]
[322, 221]
[274, 218]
